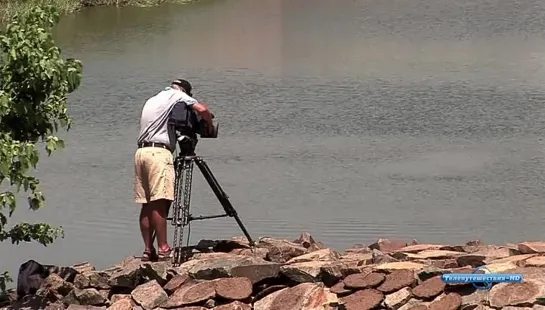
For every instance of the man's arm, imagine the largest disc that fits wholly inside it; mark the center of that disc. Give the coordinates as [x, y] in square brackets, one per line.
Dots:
[206, 115]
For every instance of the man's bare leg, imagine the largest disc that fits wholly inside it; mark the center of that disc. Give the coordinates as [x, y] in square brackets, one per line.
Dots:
[159, 213]
[146, 227]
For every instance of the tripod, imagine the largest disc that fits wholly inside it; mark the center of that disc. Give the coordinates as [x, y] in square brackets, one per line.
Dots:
[181, 216]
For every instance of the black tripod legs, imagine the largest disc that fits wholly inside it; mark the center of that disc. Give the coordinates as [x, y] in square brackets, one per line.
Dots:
[182, 198]
[222, 197]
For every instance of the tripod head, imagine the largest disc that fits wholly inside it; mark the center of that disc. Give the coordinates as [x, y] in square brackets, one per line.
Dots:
[186, 145]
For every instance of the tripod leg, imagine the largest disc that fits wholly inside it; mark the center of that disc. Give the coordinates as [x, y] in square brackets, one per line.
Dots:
[222, 196]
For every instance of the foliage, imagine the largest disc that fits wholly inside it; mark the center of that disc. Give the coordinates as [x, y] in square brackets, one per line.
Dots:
[34, 83]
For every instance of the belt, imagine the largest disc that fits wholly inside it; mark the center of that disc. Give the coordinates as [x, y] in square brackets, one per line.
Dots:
[153, 144]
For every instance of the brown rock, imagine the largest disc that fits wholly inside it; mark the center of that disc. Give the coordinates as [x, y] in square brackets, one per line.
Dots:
[537, 261]
[532, 247]
[475, 298]
[220, 265]
[397, 299]
[359, 258]
[158, 271]
[122, 304]
[233, 288]
[386, 246]
[377, 257]
[473, 260]
[433, 254]
[419, 247]
[88, 296]
[81, 281]
[451, 301]
[53, 306]
[363, 300]
[516, 294]
[340, 289]
[256, 272]
[84, 267]
[447, 263]
[117, 297]
[174, 283]
[319, 255]
[56, 285]
[304, 272]
[82, 307]
[308, 242]
[515, 259]
[126, 274]
[418, 307]
[281, 251]
[397, 280]
[236, 305]
[149, 295]
[254, 252]
[358, 248]
[400, 265]
[430, 288]
[362, 280]
[305, 296]
[190, 294]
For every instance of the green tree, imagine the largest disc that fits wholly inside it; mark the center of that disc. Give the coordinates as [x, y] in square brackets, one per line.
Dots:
[35, 81]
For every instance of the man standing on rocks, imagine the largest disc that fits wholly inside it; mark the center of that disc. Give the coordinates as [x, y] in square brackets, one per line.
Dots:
[154, 162]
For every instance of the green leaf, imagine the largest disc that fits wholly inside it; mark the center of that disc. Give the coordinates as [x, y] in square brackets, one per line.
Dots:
[35, 82]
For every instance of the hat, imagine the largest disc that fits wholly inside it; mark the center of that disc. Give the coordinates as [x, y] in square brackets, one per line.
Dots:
[183, 84]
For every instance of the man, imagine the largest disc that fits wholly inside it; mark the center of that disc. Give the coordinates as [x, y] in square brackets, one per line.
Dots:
[153, 162]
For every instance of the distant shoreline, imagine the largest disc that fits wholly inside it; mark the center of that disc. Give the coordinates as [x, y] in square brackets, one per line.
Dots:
[9, 8]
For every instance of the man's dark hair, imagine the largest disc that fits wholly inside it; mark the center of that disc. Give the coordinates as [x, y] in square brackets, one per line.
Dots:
[184, 84]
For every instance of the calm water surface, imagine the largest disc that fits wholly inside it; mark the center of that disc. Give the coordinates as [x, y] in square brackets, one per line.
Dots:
[349, 119]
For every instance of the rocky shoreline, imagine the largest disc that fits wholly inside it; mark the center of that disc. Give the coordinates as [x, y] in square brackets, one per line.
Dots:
[302, 274]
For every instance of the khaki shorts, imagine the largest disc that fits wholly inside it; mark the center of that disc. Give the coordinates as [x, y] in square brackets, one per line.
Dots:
[153, 175]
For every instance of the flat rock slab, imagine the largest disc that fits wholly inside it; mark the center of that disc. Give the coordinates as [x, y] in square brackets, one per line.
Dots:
[191, 293]
[532, 247]
[397, 280]
[515, 259]
[319, 255]
[398, 299]
[430, 288]
[174, 283]
[400, 265]
[340, 289]
[362, 280]
[415, 248]
[281, 251]
[305, 296]
[233, 288]
[537, 261]
[516, 294]
[363, 300]
[304, 271]
[451, 301]
[122, 304]
[220, 265]
[236, 305]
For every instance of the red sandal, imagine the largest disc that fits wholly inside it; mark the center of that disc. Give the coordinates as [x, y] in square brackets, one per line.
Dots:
[164, 255]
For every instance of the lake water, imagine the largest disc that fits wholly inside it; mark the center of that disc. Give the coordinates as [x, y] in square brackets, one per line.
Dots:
[349, 119]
